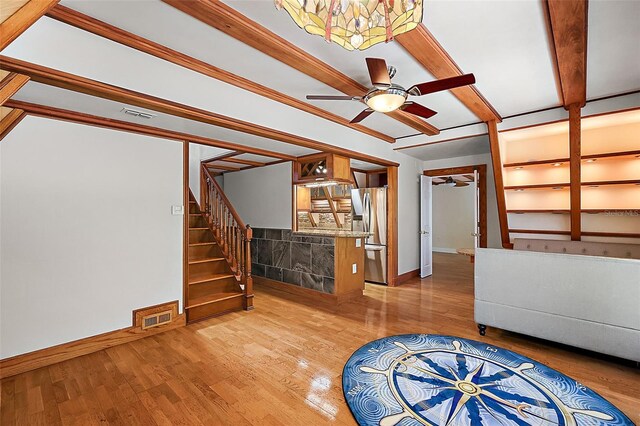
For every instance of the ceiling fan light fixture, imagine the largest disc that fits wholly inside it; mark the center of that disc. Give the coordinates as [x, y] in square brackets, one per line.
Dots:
[386, 100]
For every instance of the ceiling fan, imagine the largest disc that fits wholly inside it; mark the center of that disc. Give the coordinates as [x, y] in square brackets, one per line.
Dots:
[450, 181]
[385, 96]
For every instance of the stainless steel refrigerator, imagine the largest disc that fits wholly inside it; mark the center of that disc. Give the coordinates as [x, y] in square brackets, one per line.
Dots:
[369, 214]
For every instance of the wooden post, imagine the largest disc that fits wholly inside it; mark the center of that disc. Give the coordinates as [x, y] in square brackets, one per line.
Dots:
[496, 161]
[392, 225]
[575, 171]
[248, 285]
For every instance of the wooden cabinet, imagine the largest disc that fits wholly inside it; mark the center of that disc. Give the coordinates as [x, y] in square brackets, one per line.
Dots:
[322, 167]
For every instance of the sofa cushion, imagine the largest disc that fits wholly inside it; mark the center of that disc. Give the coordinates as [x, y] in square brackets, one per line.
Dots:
[587, 248]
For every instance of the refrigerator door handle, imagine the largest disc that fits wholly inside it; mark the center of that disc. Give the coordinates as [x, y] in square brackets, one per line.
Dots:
[366, 212]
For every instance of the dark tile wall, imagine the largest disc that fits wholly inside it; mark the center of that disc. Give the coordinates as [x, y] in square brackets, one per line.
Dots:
[305, 261]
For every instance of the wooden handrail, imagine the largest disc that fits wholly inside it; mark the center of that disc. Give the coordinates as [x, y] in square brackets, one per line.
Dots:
[231, 233]
[234, 213]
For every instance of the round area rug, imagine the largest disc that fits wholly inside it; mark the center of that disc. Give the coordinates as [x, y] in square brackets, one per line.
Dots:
[420, 379]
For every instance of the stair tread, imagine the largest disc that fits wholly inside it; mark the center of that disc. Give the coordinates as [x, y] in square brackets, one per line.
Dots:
[212, 277]
[206, 243]
[212, 298]
[199, 229]
[205, 260]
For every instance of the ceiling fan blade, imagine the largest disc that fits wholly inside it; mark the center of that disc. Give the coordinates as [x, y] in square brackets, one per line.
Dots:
[444, 84]
[417, 109]
[333, 98]
[364, 114]
[460, 183]
[378, 72]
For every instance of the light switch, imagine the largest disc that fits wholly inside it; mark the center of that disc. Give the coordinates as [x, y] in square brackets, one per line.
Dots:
[177, 210]
[358, 242]
[354, 268]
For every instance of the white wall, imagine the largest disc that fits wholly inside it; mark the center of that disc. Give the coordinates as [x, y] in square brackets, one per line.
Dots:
[493, 227]
[87, 233]
[262, 196]
[453, 217]
[195, 157]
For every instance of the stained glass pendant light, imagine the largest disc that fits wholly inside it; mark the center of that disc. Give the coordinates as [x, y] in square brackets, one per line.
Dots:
[354, 24]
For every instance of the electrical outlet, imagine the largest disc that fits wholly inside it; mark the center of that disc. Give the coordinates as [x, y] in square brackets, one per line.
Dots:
[354, 268]
[177, 210]
[358, 242]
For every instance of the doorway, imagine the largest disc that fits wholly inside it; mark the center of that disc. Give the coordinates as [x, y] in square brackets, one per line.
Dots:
[453, 212]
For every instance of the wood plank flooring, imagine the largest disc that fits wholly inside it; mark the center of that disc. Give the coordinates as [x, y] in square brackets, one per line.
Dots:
[280, 364]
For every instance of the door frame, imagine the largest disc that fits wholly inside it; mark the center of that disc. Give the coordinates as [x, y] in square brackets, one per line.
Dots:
[482, 189]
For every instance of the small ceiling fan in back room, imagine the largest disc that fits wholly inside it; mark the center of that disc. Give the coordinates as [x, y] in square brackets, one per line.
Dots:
[385, 96]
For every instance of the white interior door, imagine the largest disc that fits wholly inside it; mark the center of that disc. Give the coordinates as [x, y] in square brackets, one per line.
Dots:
[476, 212]
[426, 243]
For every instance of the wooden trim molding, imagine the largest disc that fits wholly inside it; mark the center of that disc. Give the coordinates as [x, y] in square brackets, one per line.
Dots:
[9, 119]
[392, 225]
[575, 171]
[496, 161]
[10, 85]
[22, 19]
[424, 47]
[567, 22]
[229, 21]
[400, 279]
[102, 29]
[48, 356]
[93, 120]
[87, 86]
[307, 294]
[482, 189]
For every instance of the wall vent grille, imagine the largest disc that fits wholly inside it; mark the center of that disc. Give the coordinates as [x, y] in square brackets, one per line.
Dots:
[157, 319]
[135, 113]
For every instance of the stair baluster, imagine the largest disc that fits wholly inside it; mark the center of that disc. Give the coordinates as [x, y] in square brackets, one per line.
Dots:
[232, 235]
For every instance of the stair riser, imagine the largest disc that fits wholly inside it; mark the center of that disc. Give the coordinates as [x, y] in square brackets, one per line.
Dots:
[204, 270]
[202, 252]
[212, 309]
[200, 236]
[193, 208]
[211, 287]
[197, 222]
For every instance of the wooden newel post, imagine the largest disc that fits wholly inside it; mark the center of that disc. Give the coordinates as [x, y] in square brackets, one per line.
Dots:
[248, 284]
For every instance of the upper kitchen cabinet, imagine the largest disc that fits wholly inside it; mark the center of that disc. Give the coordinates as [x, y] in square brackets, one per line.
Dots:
[322, 167]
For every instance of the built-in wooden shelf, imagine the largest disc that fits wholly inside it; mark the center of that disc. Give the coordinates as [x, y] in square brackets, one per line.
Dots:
[567, 211]
[564, 185]
[566, 159]
[612, 182]
[537, 162]
[539, 231]
[611, 154]
[610, 234]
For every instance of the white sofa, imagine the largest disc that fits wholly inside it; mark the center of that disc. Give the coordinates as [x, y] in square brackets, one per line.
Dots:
[591, 302]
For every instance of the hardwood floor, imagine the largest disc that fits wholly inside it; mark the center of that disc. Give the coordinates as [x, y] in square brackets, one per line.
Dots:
[280, 364]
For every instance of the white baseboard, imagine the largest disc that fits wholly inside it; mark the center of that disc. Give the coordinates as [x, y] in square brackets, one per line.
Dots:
[444, 250]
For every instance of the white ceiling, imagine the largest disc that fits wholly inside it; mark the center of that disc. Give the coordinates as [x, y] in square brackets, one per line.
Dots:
[456, 148]
[504, 43]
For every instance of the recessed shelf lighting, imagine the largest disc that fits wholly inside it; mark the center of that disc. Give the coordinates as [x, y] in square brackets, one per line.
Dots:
[594, 186]
[558, 187]
[519, 168]
[519, 190]
[557, 164]
[591, 160]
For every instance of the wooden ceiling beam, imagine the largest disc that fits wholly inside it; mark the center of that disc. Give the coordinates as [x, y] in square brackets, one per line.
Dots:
[221, 157]
[424, 47]
[229, 21]
[9, 118]
[102, 29]
[87, 86]
[10, 84]
[21, 19]
[245, 162]
[220, 167]
[567, 24]
[93, 120]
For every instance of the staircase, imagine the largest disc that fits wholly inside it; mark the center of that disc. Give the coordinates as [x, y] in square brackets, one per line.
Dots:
[219, 257]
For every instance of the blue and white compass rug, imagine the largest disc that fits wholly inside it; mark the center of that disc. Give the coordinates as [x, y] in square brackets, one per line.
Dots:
[419, 379]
